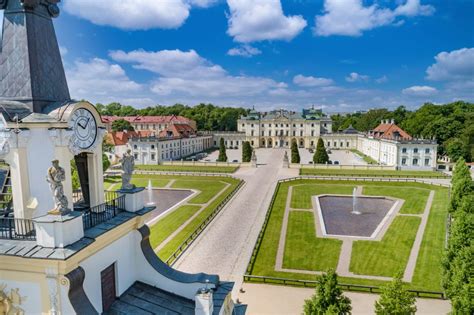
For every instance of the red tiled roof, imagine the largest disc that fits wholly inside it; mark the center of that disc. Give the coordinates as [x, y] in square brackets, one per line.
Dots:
[390, 131]
[148, 119]
[177, 130]
[122, 137]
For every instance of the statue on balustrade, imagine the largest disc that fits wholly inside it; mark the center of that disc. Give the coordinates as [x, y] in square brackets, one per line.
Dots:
[128, 166]
[55, 177]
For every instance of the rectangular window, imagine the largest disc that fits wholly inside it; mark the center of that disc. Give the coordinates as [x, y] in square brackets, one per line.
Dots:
[335, 144]
[415, 161]
[153, 156]
[415, 150]
[404, 161]
[347, 144]
[427, 162]
[427, 151]
[404, 150]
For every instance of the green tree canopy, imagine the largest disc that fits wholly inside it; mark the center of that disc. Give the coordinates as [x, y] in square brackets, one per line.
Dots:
[295, 154]
[320, 156]
[395, 299]
[222, 152]
[328, 298]
[121, 125]
[246, 152]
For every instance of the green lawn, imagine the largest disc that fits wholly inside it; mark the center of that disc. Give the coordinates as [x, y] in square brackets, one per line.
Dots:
[374, 173]
[388, 256]
[173, 245]
[415, 198]
[208, 188]
[369, 257]
[305, 251]
[170, 223]
[366, 158]
[188, 168]
[301, 197]
[428, 265]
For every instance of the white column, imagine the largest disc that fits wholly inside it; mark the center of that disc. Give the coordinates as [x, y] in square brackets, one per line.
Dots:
[96, 177]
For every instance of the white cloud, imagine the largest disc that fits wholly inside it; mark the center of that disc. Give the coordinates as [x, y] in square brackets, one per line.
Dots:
[382, 79]
[420, 90]
[186, 73]
[453, 66]
[133, 15]
[352, 18]
[99, 80]
[258, 20]
[63, 51]
[202, 3]
[356, 77]
[311, 81]
[244, 51]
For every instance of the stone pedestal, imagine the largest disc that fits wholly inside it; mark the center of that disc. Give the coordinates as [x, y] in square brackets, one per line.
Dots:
[58, 231]
[204, 302]
[134, 198]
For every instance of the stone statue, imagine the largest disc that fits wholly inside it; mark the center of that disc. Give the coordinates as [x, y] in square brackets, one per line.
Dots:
[285, 157]
[128, 165]
[56, 175]
[253, 159]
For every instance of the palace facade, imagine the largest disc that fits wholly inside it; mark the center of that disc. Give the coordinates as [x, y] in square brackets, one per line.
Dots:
[387, 144]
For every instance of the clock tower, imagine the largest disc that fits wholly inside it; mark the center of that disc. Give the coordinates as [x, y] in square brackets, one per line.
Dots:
[39, 122]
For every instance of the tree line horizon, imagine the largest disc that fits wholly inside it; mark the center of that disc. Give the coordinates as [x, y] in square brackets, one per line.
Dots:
[452, 124]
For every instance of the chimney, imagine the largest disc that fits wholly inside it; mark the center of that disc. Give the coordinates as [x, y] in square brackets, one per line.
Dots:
[393, 121]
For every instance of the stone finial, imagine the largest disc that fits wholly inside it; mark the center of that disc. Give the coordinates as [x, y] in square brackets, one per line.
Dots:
[55, 177]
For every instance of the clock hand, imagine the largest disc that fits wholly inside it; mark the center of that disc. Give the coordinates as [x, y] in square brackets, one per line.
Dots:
[80, 125]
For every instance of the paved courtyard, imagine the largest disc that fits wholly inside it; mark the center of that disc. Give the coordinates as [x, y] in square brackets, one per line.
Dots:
[344, 157]
[230, 238]
[232, 155]
[279, 300]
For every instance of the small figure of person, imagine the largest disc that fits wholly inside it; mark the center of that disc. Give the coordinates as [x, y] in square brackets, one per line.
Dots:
[56, 175]
[128, 165]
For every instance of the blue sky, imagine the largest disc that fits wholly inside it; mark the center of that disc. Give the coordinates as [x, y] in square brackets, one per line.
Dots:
[344, 55]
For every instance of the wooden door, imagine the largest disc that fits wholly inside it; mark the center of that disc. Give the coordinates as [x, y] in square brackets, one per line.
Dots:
[107, 278]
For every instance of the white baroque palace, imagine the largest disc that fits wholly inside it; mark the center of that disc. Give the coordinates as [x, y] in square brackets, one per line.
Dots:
[387, 144]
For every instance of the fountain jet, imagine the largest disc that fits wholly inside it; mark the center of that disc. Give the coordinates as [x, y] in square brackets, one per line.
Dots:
[354, 202]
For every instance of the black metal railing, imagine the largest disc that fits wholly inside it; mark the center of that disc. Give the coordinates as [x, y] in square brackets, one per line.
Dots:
[346, 287]
[17, 229]
[113, 205]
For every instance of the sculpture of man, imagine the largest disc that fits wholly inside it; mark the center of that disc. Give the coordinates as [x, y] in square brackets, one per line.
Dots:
[56, 175]
[128, 165]
[285, 157]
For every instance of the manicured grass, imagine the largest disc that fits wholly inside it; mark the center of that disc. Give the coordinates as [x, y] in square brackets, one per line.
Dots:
[301, 197]
[415, 198]
[173, 245]
[428, 266]
[384, 259]
[374, 173]
[170, 223]
[188, 168]
[208, 189]
[388, 256]
[114, 183]
[305, 251]
[366, 158]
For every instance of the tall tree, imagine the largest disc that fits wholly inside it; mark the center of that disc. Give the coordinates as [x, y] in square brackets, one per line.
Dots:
[295, 154]
[222, 153]
[395, 299]
[328, 298]
[320, 156]
[462, 184]
[121, 125]
[246, 152]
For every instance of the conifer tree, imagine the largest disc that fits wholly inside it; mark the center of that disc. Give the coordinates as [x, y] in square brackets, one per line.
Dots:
[320, 156]
[246, 152]
[222, 154]
[295, 154]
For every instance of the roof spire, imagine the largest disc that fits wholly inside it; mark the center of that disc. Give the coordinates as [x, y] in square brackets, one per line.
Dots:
[31, 69]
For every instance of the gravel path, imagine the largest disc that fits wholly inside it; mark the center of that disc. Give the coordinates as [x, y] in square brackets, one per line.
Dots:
[226, 245]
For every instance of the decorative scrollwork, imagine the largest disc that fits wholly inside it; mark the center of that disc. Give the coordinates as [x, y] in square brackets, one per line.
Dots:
[51, 5]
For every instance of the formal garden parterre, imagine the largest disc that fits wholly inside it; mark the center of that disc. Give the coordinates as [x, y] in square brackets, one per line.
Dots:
[304, 253]
[182, 223]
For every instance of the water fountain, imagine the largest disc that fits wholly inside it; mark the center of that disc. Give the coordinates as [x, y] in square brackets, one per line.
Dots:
[354, 202]
[150, 194]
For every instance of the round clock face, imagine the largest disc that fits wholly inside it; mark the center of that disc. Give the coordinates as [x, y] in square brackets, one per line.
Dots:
[84, 128]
